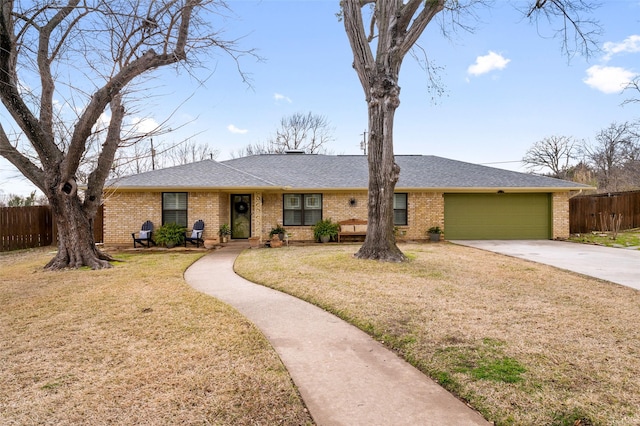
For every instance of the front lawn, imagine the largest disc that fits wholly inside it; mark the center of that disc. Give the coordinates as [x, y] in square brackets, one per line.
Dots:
[525, 344]
[131, 345]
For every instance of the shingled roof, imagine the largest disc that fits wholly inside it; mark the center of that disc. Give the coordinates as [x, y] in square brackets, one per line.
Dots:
[199, 175]
[313, 172]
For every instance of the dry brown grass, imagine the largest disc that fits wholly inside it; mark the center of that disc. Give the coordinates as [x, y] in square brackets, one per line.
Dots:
[131, 345]
[455, 312]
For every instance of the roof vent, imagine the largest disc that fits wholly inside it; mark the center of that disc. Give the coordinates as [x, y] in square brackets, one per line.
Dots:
[295, 151]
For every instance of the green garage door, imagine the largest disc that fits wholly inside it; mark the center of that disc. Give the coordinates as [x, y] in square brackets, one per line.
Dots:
[497, 216]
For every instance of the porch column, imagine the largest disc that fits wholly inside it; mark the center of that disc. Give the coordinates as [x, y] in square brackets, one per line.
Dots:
[256, 215]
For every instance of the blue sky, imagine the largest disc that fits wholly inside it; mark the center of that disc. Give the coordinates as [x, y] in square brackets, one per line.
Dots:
[507, 85]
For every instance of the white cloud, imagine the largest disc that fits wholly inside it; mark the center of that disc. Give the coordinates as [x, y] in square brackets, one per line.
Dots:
[234, 129]
[144, 125]
[608, 79]
[280, 97]
[102, 122]
[487, 63]
[630, 44]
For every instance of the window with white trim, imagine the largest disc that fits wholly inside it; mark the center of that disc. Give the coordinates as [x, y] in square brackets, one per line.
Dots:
[174, 208]
[400, 209]
[302, 209]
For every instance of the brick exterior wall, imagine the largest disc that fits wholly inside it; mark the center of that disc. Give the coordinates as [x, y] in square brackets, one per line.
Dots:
[560, 215]
[124, 213]
[425, 209]
[205, 206]
[271, 216]
[335, 205]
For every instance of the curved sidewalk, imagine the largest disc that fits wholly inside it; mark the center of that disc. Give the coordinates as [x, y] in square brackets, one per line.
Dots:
[344, 376]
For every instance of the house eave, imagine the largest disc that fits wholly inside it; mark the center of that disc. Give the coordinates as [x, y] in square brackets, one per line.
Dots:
[188, 189]
[464, 189]
[491, 189]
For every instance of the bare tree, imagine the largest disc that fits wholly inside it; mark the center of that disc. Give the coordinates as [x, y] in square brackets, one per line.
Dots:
[304, 132]
[394, 29]
[86, 56]
[577, 33]
[190, 152]
[300, 132]
[134, 159]
[145, 155]
[253, 149]
[633, 86]
[554, 153]
[615, 157]
[581, 173]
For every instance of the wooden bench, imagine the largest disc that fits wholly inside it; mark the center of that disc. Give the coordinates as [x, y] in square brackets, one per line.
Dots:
[352, 228]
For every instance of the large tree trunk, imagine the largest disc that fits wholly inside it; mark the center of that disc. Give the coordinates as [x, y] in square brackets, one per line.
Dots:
[380, 242]
[76, 245]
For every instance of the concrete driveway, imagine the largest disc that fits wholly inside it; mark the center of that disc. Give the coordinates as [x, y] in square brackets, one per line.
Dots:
[618, 265]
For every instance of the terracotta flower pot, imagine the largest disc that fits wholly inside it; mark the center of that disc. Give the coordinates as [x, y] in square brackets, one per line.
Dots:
[254, 242]
[210, 243]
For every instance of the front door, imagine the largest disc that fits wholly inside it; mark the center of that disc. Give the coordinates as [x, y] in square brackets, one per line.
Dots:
[240, 216]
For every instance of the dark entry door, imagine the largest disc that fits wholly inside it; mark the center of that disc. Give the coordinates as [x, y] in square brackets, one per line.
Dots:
[240, 216]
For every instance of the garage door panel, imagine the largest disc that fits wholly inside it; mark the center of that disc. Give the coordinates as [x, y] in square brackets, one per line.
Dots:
[497, 216]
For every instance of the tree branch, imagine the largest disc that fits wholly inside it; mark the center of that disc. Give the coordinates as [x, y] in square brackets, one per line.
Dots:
[44, 68]
[21, 162]
[632, 85]
[569, 12]
[99, 175]
[430, 10]
[363, 57]
[103, 96]
[9, 92]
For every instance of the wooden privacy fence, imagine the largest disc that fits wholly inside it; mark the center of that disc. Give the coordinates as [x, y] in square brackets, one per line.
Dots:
[602, 212]
[29, 227]
[25, 227]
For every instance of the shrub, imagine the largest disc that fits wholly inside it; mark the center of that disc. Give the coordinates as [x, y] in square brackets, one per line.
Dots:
[278, 229]
[225, 230]
[170, 235]
[325, 228]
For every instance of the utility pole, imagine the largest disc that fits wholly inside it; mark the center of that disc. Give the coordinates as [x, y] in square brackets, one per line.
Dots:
[363, 144]
[153, 156]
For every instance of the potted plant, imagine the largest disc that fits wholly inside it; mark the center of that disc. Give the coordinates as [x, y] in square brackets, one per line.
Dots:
[254, 241]
[170, 235]
[324, 230]
[399, 233]
[434, 233]
[277, 230]
[224, 232]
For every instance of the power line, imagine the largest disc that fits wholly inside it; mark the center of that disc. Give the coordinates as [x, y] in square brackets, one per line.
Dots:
[500, 162]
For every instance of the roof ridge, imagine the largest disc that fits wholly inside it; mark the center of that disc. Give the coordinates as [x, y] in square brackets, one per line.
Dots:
[246, 173]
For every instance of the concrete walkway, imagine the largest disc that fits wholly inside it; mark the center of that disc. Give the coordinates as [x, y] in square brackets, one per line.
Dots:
[617, 265]
[344, 376]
